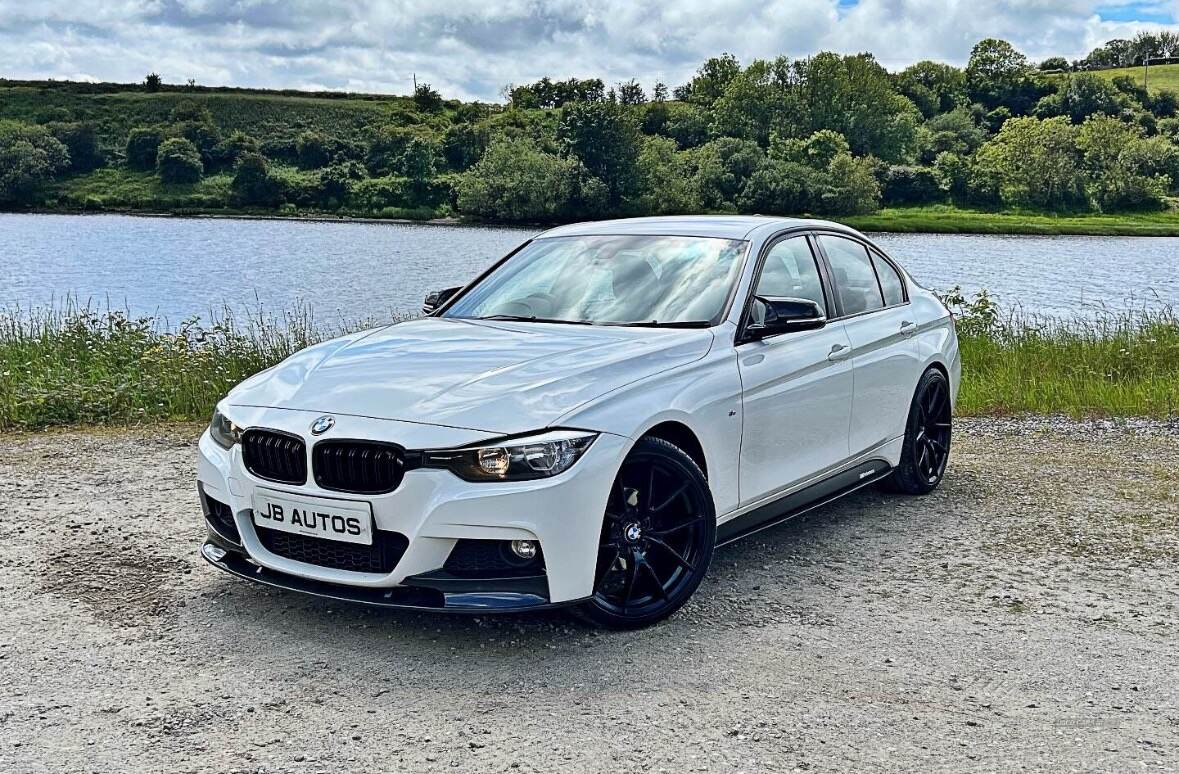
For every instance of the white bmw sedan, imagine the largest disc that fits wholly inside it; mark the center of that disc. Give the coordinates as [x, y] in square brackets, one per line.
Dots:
[586, 421]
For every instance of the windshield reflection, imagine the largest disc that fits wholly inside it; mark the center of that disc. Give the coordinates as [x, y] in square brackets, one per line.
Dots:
[610, 280]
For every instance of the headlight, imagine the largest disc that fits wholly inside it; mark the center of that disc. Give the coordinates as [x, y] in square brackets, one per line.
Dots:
[224, 432]
[517, 459]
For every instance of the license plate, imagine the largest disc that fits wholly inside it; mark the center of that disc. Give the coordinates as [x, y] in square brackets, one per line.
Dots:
[347, 522]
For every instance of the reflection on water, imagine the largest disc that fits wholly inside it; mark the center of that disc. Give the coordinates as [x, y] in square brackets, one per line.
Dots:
[180, 267]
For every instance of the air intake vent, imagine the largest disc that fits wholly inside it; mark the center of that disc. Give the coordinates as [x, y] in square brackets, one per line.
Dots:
[275, 456]
[361, 467]
[381, 557]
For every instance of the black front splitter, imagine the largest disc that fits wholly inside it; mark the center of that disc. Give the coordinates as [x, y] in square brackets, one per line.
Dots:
[407, 597]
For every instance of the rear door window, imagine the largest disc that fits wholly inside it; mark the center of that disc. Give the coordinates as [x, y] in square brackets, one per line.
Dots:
[853, 275]
[890, 281]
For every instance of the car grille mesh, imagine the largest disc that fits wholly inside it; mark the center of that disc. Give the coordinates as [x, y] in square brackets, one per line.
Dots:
[363, 467]
[275, 456]
[381, 557]
[471, 558]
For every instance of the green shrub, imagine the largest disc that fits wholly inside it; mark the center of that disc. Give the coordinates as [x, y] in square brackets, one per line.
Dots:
[911, 185]
[179, 161]
[29, 158]
[143, 144]
[516, 181]
[253, 185]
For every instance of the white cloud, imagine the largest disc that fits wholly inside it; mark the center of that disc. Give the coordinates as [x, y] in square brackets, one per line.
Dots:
[470, 48]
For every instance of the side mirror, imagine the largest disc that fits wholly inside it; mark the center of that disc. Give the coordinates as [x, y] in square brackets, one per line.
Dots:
[786, 315]
[437, 299]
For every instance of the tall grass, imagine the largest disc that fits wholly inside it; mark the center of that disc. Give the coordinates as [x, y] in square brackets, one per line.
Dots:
[74, 364]
[1105, 363]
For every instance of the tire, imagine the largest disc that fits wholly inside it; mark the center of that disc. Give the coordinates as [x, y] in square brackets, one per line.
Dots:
[657, 539]
[926, 449]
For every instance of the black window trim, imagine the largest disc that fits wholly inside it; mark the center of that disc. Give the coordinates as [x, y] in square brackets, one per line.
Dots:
[804, 232]
[871, 249]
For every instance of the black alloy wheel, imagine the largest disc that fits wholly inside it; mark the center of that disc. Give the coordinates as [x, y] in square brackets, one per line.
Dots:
[657, 538]
[926, 448]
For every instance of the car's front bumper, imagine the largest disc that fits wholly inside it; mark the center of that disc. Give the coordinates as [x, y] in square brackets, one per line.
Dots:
[433, 509]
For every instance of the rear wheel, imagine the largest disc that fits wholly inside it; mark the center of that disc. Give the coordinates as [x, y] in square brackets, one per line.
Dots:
[926, 448]
[657, 538]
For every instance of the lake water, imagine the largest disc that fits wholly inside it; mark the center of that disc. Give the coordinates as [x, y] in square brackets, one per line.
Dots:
[175, 268]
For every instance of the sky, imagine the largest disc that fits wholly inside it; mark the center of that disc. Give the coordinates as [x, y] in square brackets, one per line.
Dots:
[471, 49]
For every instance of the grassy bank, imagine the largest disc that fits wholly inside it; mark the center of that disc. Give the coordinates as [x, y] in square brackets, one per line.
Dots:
[947, 219]
[80, 366]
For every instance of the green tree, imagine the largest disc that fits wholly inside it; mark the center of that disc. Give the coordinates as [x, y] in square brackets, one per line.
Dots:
[666, 177]
[463, 145]
[516, 181]
[933, 86]
[253, 185]
[1032, 163]
[605, 137]
[631, 93]
[851, 188]
[179, 161]
[233, 147]
[143, 143]
[30, 157]
[998, 74]
[1054, 63]
[153, 82]
[1122, 170]
[313, 149]
[778, 187]
[906, 185]
[426, 98]
[711, 80]
[755, 102]
[853, 95]
[722, 167]
[81, 140]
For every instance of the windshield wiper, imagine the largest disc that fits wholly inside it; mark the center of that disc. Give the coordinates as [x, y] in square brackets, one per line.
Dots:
[533, 318]
[667, 324]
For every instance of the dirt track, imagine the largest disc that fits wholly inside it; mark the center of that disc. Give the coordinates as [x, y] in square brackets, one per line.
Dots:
[1023, 617]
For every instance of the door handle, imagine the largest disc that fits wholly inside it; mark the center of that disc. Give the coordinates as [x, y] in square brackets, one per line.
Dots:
[838, 352]
[908, 328]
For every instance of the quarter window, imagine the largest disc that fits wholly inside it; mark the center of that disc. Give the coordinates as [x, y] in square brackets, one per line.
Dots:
[890, 281]
[855, 280]
[790, 271]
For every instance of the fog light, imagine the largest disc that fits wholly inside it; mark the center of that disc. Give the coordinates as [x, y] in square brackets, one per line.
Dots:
[525, 549]
[212, 552]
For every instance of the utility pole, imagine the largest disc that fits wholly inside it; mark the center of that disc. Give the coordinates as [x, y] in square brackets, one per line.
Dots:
[415, 83]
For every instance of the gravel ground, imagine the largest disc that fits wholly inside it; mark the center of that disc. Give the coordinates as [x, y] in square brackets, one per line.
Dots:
[1022, 617]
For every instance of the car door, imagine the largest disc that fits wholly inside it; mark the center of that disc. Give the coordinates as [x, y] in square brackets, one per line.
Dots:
[873, 305]
[797, 387]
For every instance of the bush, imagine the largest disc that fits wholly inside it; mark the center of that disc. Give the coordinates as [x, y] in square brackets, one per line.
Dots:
[313, 150]
[426, 98]
[253, 184]
[778, 188]
[143, 144]
[906, 185]
[29, 157]
[666, 179]
[179, 161]
[851, 188]
[232, 148]
[81, 140]
[517, 181]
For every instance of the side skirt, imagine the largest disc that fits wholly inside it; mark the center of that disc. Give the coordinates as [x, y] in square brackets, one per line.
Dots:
[806, 499]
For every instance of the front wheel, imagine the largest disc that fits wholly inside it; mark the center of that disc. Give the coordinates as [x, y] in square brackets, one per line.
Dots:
[926, 449]
[657, 538]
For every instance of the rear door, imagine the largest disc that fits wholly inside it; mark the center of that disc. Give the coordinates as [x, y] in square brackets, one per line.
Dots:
[797, 387]
[873, 306]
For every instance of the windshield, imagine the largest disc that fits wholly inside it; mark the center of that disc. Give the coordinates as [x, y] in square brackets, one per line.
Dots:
[610, 280]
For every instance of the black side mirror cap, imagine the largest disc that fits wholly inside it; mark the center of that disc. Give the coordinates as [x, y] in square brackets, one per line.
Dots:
[786, 315]
[438, 298]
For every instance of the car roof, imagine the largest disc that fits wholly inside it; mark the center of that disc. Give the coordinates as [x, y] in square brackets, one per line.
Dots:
[719, 226]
